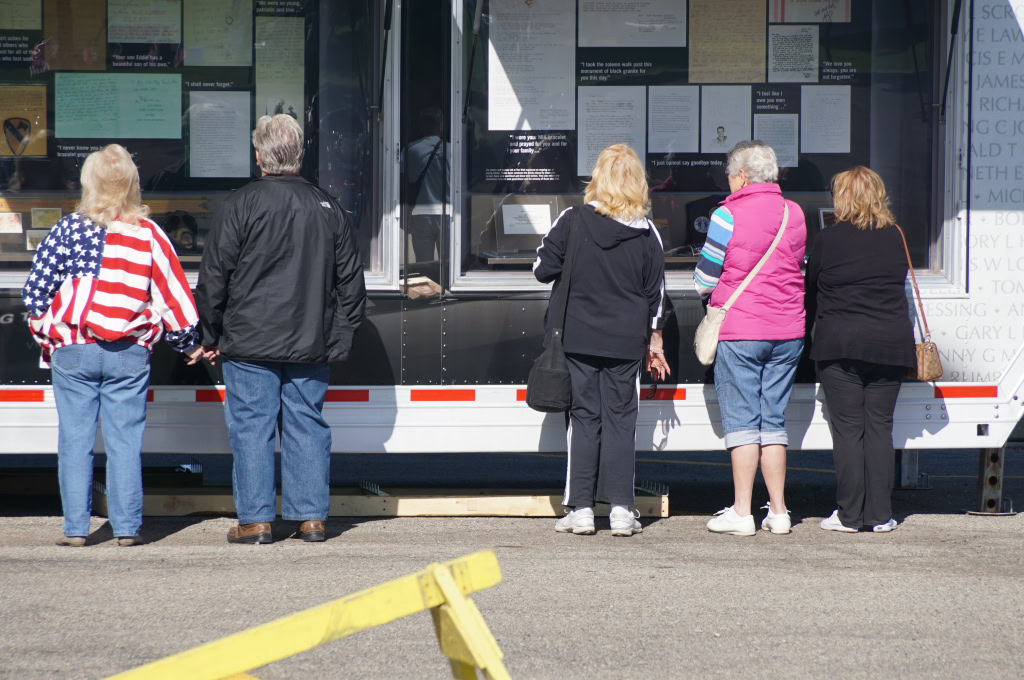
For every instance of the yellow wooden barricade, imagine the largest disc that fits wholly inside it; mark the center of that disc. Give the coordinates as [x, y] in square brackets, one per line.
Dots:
[442, 588]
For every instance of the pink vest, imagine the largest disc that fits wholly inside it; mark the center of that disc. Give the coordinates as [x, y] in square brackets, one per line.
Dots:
[772, 306]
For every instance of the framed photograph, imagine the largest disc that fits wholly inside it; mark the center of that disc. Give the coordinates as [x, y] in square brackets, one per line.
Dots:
[826, 217]
[10, 223]
[44, 218]
[33, 237]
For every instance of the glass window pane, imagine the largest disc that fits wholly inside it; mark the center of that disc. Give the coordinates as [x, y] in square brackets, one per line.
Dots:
[854, 85]
[180, 85]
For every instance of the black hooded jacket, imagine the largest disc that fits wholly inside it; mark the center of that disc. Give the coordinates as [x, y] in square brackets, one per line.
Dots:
[281, 279]
[616, 287]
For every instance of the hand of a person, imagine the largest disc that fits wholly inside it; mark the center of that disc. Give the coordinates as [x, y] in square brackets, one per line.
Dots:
[194, 355]
[657, 366]
[210, 353]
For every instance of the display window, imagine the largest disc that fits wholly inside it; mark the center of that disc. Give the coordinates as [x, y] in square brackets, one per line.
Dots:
[180, 83]
[546, 85]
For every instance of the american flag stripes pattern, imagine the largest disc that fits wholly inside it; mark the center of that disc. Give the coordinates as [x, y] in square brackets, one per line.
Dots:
[91, 284]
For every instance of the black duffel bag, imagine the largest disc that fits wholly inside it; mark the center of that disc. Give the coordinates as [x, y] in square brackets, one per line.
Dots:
[548, 389]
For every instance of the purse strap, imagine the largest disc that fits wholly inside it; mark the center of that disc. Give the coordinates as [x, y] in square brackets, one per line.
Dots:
[561, 306]
[764, 258]
[917, 291]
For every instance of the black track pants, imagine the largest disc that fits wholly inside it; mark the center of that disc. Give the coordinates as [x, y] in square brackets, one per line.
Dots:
[602, 430]
[861, 398]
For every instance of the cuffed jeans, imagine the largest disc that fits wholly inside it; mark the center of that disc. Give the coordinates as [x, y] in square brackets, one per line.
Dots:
[108, 380]
[261, 397]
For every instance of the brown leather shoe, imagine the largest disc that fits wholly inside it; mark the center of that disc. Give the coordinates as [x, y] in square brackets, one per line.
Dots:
[250, 533]
[311, 531]
[72, 541]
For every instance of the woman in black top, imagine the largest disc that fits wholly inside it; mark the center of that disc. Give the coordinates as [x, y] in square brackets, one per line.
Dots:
[863, 344]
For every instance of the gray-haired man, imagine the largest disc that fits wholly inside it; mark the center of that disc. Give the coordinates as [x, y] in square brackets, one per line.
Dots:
[280, 295]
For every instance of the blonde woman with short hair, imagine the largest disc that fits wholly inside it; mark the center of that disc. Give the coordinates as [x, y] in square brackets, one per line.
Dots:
[613, 322]
[105, 286]
[863, 344]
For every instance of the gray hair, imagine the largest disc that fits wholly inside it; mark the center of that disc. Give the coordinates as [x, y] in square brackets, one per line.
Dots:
[278, 141]
[756, 159]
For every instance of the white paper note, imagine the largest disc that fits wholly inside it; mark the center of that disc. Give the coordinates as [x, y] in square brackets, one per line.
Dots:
[793, 54]
[280, 66]
[632, 23]
[781, 132]
[724, 117]
[21, 15]
[825, 116]
[144, 21]
[531, 65]
[609, 115]
[526, 219]
[672, 115]
[118, 105]
[10, 223]
[810, 11]
[218, 32]
[219, 128]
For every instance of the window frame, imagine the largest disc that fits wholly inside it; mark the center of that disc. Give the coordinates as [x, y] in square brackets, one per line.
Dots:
[946, 277]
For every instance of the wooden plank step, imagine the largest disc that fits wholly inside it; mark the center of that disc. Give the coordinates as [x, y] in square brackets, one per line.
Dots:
[168, 502]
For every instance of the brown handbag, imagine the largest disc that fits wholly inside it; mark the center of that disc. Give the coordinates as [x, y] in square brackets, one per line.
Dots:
[929, 366]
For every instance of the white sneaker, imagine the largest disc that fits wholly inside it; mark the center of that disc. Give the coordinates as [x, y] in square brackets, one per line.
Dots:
[726, 521]
[580, 522]
[832, 523]
[777, 524]
[624, 521]
[885, 528]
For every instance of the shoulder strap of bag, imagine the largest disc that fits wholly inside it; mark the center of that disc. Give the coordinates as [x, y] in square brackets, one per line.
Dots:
[563, 283]
[913, 279]
[423, 173]
[764, 258]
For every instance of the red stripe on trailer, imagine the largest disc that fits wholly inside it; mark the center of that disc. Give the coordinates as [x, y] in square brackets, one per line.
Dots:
[149, 395]
[442, 395]
[348, 395]
[673, 394]
[210, 395]
[966, 391]
[22, 395]
[520, 395]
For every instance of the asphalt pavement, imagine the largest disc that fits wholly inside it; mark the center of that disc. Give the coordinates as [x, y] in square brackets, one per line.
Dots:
[940, 597]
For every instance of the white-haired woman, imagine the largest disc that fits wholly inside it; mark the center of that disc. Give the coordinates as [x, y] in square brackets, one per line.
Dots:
[761, 340]
[105, 286]
[613, 323]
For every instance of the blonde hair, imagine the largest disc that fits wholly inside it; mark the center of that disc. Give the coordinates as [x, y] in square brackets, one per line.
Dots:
[618, 185]
[278, 141]
[858, 196]
[110, 187]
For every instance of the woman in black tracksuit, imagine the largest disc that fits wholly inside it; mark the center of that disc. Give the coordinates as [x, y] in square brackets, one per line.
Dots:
[613, 323]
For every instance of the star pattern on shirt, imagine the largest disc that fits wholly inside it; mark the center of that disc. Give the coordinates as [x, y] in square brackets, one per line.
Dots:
[72, 249]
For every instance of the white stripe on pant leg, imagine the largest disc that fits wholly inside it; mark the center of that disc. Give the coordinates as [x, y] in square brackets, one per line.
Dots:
[638, 370]
[568, 461]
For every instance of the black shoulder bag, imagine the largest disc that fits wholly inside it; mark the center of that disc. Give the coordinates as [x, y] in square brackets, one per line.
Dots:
[548, 389]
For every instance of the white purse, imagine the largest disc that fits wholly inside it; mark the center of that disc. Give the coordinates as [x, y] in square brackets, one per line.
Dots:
[705, 340]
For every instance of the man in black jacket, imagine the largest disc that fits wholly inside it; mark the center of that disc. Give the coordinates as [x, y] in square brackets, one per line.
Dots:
[280, 295]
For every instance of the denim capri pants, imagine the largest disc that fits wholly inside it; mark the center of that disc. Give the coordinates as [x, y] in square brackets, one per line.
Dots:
[754, 379]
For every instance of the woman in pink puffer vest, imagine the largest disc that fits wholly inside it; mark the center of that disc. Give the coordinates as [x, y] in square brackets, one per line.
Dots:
[761, 339]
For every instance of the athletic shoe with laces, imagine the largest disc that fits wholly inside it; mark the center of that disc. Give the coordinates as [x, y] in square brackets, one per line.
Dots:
[832, 523]
[885, 528]
[777, 524]
[726, 521]
[579, 521]
[624, 522]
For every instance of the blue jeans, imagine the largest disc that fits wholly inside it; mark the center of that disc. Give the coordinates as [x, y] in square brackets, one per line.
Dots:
[106, 380]
[754, 379]
[260, 398]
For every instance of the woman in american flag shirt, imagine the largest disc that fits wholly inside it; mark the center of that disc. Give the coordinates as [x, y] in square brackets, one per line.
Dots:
[105, 286]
